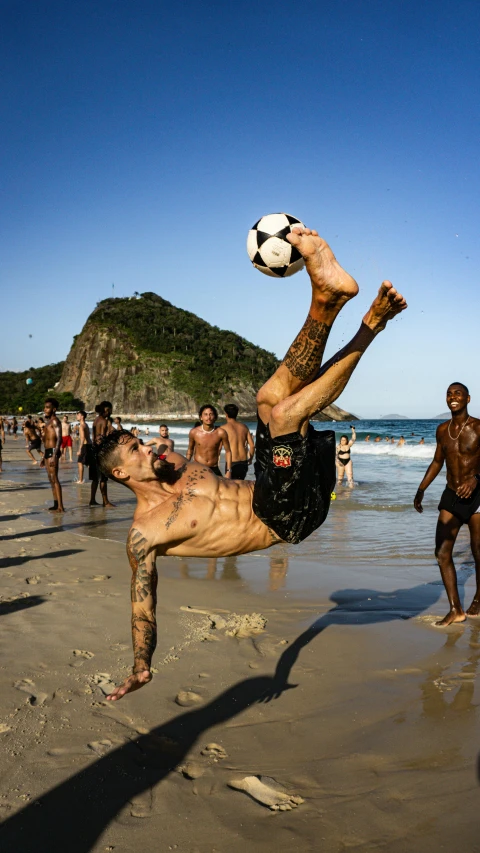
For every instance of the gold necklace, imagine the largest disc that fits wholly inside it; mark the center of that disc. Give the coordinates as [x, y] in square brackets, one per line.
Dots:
[464, 425]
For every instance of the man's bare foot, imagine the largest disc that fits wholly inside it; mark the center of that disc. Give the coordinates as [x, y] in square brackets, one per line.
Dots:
[474, 609]
[93, 503]
[386, 305]
[108, 505]
[452, 616]
[329, 279]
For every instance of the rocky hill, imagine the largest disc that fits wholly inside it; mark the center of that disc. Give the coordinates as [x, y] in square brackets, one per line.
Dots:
[148, 357]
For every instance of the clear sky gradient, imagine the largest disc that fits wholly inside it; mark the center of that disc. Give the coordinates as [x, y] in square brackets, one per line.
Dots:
[141, 140]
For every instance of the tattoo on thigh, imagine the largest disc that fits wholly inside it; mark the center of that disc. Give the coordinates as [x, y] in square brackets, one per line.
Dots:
[304, 355]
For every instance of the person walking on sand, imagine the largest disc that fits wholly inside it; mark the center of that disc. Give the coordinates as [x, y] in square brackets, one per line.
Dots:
[85, 451]
[2, 441]
[205, 442]
[66, 438]
[241, 442]
[343, 458]
[52, 440]
[184, 509]
[101, 427]
[458, 445]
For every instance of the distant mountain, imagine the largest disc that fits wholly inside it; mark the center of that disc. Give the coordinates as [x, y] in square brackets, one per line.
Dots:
[394, 418]
[445, 417]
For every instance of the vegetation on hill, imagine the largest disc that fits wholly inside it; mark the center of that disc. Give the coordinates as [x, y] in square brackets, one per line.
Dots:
[15, 393]
[203, 360]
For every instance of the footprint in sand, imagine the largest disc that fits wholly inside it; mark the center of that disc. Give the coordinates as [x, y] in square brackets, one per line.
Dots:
[268, 792]
[185, 698]
[193, 770]
[104, 682]
[33, 580]
[119, 647]
[27, 686]
[4, 728]
[141, 806]
[81, 656]
[100, 747]
[100, 578]
[214, 751]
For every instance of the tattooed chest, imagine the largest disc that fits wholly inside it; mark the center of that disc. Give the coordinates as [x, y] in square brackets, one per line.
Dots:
[184, 498]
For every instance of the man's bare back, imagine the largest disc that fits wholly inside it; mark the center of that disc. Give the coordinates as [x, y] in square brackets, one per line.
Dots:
[241, 442]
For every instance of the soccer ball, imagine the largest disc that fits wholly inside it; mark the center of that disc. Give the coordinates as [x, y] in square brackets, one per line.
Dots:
[269, 250]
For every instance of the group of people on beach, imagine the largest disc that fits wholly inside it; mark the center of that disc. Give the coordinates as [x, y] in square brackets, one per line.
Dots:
[187, 507]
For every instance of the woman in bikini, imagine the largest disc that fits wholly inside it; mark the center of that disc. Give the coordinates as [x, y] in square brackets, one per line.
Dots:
[343, 460]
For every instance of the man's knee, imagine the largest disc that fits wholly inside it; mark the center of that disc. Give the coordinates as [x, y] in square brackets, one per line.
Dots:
[284, 417]
[443, 553]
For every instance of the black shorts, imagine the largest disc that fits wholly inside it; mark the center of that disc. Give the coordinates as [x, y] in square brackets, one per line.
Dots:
[295, 480]
[215, 470]
[85, 457]
[461, 508]
[36, 444]
[50, 452]
[239, 470]
[94, 470]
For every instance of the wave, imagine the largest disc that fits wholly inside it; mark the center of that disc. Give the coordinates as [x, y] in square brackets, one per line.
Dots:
[408, 451]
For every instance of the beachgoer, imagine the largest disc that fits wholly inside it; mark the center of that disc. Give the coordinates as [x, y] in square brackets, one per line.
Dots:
[241, 442]
[52, 440]
[66, 438]
[101, 426]
[184, 509]
[401, 441]
[163, 440]
[343, 459]
[387, 438]
[2, 441]
[206, 441]
[458, 445]
[117, 423]
[392, 440]
[378, 438]
[85, 450]
[422, 441]
[367, 438]
[33, 440]
[14, 427]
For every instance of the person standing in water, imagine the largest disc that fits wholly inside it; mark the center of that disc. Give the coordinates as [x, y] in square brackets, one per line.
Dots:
[101, 427]
[343, 459]
[52, 440]
[458, 445]
[205, 442]
[241, 442]
[85, 452]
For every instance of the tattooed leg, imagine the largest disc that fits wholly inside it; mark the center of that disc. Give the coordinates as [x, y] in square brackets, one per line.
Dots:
[332, 287]
[293, 413]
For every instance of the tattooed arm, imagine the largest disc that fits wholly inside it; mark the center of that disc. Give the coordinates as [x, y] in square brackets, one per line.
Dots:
[144, 602]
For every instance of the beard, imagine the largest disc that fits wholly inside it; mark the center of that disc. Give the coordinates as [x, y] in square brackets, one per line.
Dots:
[165, 471]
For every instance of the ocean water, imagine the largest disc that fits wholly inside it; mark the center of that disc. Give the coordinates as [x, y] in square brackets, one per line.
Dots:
[372, 538]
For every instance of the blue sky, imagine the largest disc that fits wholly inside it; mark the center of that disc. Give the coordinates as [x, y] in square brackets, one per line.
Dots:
[141, 140]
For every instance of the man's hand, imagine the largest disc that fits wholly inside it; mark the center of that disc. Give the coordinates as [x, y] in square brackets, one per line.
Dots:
[133, 682]
[417, 501]
[467, 488]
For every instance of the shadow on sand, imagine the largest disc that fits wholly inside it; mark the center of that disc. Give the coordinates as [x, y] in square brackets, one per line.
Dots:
[7, 607]
[72, 816]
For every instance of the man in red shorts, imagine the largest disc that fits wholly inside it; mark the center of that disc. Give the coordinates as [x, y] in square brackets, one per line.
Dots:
[66, 439]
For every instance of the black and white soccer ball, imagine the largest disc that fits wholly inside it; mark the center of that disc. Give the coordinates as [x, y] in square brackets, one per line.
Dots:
[269, 250]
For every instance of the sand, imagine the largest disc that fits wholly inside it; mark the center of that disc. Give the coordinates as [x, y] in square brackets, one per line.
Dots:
[334, 722]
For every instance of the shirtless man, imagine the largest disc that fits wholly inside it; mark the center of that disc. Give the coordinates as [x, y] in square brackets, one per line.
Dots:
[33, 440]
[184, 509]
[458, 444]
[205, 442]
[52, 440]
[66, 438]
[2, 440]
[101, 426]
[162, 441]
[84, 455]
[241, 442]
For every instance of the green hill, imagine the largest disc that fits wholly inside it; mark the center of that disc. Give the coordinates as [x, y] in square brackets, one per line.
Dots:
[15, 393]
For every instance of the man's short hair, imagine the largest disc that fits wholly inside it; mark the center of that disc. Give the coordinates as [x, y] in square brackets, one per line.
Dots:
[106, 451]
[467, 392]
[81, 412]
[98, 408]
[231, 410]
[52, 402]
[207, 406]
[162, 426]
[105, 403]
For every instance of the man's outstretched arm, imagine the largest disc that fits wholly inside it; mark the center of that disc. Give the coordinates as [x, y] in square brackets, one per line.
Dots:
[432, 471]
[144, 604]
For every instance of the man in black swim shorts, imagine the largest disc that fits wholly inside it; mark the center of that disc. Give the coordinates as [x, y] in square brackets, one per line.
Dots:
[184, 509]
[458, 445]
[205, 442]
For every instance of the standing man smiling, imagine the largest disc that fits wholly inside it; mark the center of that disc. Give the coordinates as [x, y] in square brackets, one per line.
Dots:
[205, 442]
[458, 444]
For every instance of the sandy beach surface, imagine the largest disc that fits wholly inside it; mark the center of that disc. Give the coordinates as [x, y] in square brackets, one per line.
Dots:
[311, 678]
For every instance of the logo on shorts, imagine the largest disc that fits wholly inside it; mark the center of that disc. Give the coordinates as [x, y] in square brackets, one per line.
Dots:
[282, 456]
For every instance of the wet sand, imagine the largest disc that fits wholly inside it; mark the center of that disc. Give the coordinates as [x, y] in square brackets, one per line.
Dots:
[338, 688]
